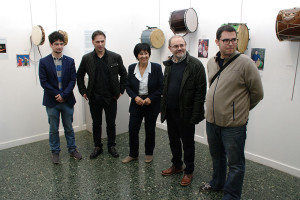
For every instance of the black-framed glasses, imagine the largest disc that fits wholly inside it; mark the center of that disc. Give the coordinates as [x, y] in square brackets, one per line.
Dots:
[177, 46]
[227, 41]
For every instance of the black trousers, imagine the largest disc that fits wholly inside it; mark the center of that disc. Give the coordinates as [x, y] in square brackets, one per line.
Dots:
[110, 110]
[181, 135]
[135, 121]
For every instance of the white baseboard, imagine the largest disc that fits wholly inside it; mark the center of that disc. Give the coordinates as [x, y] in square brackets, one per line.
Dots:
[274, 164]
[253, 157]
[34, 138]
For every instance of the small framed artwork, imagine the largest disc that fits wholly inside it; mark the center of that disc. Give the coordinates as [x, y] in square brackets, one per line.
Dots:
[258, 56]
[23, 60]
[203, 48]
[3, 49]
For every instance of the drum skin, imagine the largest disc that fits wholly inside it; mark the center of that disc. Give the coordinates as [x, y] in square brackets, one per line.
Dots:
[38, 35]
[259, 63]
[154, 37]
[242, 36]
[288, 25]
[65, 34]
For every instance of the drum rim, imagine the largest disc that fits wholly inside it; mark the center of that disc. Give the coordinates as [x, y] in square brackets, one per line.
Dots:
[187, 29]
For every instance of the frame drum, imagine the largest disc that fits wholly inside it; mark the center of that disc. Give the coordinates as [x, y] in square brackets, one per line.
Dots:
[154, 37]
[38, 35]
[288, 25]
[259, 63]
[242, 36]
[183, 21]
[65, 34]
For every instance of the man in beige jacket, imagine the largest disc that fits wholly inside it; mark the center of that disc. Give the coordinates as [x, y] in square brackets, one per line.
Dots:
[232, 94]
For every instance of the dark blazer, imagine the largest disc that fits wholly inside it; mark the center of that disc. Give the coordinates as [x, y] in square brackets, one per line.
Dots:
[115, 68]
[155, 86]
[49, 80]
[192, 91]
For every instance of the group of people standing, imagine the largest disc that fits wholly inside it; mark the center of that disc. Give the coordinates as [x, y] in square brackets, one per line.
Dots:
[179, 95]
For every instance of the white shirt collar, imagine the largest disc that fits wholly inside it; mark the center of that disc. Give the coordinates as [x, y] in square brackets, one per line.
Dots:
[137, 70]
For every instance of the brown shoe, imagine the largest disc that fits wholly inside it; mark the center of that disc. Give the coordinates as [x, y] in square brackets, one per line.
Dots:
[148, 158]
[186, 179]
[128, 159]
[170, 171]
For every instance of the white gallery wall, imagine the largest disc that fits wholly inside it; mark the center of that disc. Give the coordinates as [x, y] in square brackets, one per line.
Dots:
[273, 135]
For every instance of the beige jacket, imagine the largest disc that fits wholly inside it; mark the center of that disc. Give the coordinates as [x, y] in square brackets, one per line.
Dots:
[234, 93]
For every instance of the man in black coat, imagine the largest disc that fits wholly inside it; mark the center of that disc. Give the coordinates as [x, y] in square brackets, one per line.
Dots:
[182, 106]
[103, 90]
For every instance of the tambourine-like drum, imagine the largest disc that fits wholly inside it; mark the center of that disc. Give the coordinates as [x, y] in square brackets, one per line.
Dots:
[38, 35]
[183, 21]
[154, 37]
[65, 34]
[288, 25]
[259, 63]
[242, 36]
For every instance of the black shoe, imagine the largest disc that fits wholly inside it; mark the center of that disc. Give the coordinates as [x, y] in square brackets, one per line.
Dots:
[97, 151]
[112, 150]
[75, 154]
[206, 187]
[55, 158]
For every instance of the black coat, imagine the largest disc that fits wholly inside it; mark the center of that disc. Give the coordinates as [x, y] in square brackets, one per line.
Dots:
[115, 68]
[192, 91]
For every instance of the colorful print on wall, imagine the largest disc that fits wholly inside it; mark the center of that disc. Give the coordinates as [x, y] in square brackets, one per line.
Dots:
[23, 60]
[203, 48]
[3, 50]
[258, 56]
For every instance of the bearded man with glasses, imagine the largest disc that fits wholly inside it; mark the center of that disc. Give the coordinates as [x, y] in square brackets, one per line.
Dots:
[182, 106]
[233, 92]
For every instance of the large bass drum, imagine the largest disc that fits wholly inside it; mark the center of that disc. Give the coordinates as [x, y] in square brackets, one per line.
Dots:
[154, 37]
[242, 36]
[288, 25]
[183, 21]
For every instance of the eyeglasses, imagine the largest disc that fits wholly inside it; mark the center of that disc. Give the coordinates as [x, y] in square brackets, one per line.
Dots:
[227, 41]
[177, 46]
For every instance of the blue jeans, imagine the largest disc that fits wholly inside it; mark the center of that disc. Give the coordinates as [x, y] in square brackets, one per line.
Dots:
[226, 146]
[67, 119]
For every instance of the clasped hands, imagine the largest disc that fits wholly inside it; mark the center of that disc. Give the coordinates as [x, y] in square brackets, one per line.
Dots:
[139, 101]
[59, 98]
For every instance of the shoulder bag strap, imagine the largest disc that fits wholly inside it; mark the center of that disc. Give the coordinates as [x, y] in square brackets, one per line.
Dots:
[222, 68]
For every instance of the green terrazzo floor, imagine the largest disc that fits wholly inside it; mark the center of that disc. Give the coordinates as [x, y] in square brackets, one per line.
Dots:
[26, 172]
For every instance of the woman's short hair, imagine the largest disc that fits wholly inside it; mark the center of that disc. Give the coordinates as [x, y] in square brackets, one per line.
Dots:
[141, 47]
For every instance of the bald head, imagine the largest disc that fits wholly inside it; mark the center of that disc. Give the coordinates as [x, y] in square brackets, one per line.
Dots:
[175, 37]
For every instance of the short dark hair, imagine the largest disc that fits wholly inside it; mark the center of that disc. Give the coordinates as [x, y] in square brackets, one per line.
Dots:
[98, 32]
[227, 28]
[54, 36]
[141, 47]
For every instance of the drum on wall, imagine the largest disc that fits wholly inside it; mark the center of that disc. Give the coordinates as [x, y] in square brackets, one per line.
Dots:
[38, 35]
[288, 25]
[65, 34]
[154, 37]
[183, 21]
[259, 63]
[242, 36]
